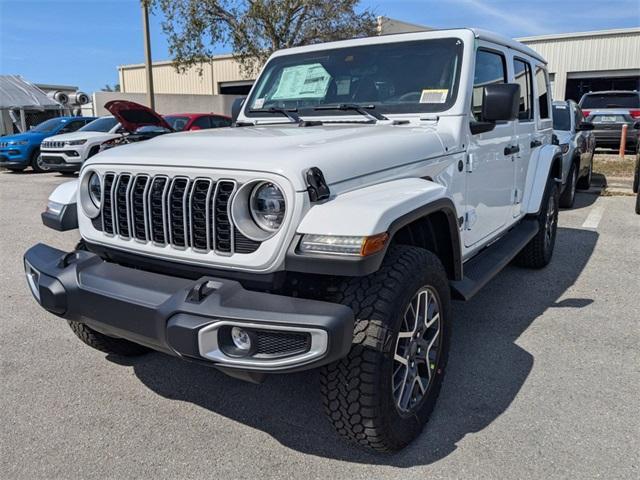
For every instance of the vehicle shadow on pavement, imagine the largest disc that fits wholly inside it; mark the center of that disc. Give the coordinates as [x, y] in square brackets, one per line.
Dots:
[486, 370]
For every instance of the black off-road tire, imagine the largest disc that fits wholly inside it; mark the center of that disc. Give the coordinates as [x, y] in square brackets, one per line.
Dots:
[106, 344]
[568, 196]
[357, 390]
[538, 252]
[636, 174]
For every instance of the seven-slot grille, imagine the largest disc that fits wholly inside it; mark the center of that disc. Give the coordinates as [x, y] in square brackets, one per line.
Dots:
[52, 144]
[178, 211]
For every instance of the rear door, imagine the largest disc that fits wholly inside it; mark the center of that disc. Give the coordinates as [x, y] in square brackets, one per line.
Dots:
[490, 177]
[525, 130]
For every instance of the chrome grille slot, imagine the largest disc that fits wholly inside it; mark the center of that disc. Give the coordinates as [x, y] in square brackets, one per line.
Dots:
[157, 209]
[121, 203]
[107, 204]
[178, 218]
[178, 211]
[199, 213]
[222, 224]
[139, 207]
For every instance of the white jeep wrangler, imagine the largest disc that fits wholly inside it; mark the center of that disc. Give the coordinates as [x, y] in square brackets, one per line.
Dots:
[365, 184]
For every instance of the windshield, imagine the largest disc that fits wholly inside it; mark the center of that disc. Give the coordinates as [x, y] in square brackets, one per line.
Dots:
[178, 123]
[611, 100]
[103, 124]
[561, 117]
[406, 77]
[48, 125]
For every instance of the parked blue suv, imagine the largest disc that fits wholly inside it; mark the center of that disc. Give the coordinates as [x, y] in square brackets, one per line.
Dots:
[17, 152]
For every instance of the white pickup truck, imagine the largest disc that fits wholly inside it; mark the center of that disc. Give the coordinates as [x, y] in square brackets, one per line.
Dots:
[364, 185]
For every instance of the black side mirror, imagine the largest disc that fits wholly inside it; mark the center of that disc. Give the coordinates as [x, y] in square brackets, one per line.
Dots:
[500, 102]
[584, 127]
[636, 125]
[236, 107]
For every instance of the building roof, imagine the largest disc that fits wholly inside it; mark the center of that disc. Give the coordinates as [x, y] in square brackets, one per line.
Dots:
[594, 33]
[16, 92]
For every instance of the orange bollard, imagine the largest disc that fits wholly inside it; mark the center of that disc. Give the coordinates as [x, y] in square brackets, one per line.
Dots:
[623, 140]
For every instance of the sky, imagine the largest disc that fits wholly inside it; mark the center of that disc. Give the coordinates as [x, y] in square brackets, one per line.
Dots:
[82, 42]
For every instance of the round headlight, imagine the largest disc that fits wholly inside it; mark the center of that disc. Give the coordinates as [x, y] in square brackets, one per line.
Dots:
[267, 206]
[95, 189]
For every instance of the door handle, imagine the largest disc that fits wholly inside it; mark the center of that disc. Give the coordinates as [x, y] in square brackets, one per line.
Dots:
[511, 150]
[536, 143]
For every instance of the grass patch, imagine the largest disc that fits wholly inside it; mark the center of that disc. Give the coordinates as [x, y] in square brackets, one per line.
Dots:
[613, 165]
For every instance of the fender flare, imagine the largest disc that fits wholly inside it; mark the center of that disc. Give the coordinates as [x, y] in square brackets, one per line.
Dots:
[540, 169]
[62, 212]
[384, 207]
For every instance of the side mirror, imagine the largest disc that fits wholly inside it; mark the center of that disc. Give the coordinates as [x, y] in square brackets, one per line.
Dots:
[584, 127]
[636, 125]
[500, 102]
[236, 107]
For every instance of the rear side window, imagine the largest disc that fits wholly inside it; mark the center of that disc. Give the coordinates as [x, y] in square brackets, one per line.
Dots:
[218, 122]
[202, 122]
[611, 100]
[490, 69]
[543, 93]
[522, 71]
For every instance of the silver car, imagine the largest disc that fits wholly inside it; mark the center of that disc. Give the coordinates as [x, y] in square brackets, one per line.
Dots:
[578, 143]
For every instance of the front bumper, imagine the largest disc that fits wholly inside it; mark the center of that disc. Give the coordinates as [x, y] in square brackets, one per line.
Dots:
[13, 157]
[69, 160]
[182, 317]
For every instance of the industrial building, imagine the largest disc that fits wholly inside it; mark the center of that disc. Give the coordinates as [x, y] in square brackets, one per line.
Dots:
[578, 63]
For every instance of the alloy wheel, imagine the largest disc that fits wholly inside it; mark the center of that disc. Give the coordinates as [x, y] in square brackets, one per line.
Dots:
[417, 350]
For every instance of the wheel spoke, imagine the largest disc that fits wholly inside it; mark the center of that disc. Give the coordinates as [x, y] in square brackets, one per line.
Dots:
[401, 359]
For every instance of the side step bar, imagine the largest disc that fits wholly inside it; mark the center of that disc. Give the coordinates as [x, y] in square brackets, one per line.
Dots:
[489, 262]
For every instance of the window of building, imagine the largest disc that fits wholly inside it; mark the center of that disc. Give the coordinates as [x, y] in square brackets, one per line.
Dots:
[490, 68]
[522, 72]
[543, 92]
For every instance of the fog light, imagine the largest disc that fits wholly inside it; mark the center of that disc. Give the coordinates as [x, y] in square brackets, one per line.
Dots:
[241, 339]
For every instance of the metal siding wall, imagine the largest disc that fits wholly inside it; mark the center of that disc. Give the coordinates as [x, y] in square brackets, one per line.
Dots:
[590, 53]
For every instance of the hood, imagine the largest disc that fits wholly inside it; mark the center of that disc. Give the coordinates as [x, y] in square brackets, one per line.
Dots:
[132, 115]
[29, 136]
[342, 152]
[564, 136]
[66, 137]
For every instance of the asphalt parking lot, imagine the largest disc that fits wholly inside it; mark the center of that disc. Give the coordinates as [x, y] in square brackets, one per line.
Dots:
[543, 380]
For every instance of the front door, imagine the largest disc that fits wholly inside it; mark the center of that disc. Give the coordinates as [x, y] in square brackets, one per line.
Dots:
[490, 168]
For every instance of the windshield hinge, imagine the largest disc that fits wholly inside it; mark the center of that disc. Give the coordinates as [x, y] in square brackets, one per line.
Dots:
[316, 185]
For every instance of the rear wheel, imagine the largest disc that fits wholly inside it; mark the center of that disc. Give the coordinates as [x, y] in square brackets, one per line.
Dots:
[538, 252]
[104, 343]
[569, 194]
[383, 392]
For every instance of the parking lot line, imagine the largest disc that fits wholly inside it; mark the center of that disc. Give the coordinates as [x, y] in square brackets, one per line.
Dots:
[595, 215]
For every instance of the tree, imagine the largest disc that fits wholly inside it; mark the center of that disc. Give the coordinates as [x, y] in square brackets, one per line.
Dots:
[256, 28]
[109, 88]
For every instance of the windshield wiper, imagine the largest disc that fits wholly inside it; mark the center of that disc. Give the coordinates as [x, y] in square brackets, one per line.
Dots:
[361, 109]
[291, 113]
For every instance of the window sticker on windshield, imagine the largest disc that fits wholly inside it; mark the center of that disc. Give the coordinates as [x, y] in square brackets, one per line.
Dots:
[302, 81]
[259, 103]
[434, 95]
[561, 107]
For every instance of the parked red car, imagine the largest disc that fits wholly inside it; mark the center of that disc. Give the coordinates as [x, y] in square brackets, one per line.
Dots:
[181, 122]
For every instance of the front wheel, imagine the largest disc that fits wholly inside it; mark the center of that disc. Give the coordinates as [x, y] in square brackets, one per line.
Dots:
[37, 164]
[382, 393]
[105, 343]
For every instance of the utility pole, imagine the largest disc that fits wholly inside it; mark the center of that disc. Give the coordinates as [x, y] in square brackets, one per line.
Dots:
[147, 53]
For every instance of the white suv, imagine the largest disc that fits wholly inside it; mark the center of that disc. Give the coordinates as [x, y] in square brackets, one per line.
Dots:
[366, 183]
[67, 152]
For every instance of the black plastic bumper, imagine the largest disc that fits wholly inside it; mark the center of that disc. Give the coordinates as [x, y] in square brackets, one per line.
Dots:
[65, 219]
[163, 313]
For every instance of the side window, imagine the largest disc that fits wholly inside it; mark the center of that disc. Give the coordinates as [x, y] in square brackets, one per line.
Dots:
[490, 68]
[523, 76]
[202, 122]
[218, 122]
[543, 93]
